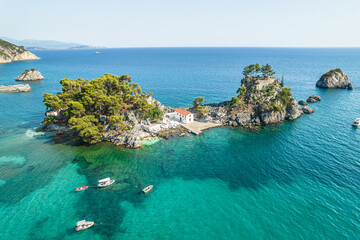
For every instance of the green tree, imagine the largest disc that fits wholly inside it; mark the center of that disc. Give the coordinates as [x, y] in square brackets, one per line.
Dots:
[198, 101]
[154, 113]
[90, 135]
[247, 71]
[76, 109]
[241, 91]
[52, 102]
[110, 96]
[117, 121]
[197, 105]
[267, 71]
[257, 69]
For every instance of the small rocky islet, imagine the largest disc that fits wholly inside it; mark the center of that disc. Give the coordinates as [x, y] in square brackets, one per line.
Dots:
[335, 78]
[15, 88]
[30, 75]
[114, 109]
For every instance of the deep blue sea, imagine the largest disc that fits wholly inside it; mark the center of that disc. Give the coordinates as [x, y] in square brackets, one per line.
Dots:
[294, 180]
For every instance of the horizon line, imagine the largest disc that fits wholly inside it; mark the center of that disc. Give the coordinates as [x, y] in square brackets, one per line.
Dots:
[103, 47]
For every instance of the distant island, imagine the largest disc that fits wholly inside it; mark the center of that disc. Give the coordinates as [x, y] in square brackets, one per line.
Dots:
[32, 44]
[10, 52]
[112, 108]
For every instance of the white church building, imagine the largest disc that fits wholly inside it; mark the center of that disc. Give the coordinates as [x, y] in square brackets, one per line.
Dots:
[184, 116]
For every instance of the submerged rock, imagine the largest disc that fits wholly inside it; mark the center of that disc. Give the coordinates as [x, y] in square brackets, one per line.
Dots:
[30, 75]
[334, 79]
[303, 103]
[314, 99]
[15, 88]
[307, 110]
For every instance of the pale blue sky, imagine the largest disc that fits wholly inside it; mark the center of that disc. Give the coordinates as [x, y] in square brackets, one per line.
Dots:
[164, 23]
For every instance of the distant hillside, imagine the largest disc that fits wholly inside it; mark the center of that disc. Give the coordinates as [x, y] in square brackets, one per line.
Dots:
[10, 52]
[47, 44]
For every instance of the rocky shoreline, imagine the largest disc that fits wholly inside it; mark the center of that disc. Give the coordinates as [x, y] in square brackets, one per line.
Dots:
[11, 53]
[260, 103]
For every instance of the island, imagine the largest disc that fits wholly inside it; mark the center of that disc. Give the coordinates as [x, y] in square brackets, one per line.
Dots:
[113, 108]
[10, 52]
[30, 75]
[335, 78]
[15, 88]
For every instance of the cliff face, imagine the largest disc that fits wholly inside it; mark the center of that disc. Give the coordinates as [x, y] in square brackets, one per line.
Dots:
[10, 52]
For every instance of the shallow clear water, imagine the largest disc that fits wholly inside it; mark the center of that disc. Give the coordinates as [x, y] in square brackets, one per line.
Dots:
[294, 180]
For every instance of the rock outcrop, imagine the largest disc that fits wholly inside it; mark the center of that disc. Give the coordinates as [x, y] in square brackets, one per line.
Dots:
[314, 99]
[307, 110]
[15, 88]
[30, 75]
[262, 101]
[334, 79]
[10, 52]
[303, 103]
[293, 111]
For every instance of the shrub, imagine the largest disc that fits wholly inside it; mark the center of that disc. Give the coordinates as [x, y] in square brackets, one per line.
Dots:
[154, 113]
[274, 107]
[284, 96]
[49, 119]
[241, 91]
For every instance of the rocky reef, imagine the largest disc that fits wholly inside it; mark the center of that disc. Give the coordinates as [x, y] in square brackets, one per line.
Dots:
[30, 75]
[335, 78]
[15, 88]
[10, 52]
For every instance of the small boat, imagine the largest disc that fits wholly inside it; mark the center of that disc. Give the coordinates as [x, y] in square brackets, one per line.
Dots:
[356, 123]
[81, 188]
[97, 52]
[147, 189]
[105, 182]
[83, 224]
[59, 133]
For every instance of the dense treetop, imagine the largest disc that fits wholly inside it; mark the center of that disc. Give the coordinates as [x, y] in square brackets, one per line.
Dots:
[254, 70]
[82, 102]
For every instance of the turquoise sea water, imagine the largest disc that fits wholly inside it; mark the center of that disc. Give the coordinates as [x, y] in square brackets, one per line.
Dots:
[293, 180]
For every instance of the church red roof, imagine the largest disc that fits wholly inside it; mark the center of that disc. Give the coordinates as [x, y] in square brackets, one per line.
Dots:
[182, 111]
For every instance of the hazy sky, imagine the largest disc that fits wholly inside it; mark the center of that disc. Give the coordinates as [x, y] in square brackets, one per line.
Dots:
[163, 23]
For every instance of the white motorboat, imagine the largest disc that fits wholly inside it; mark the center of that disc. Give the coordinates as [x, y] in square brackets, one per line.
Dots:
[356, 123]
[105, 182]
[147, 189]
[83, 224]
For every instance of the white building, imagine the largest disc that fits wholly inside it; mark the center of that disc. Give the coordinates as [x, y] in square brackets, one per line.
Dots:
[51, 113]
[184, 116]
